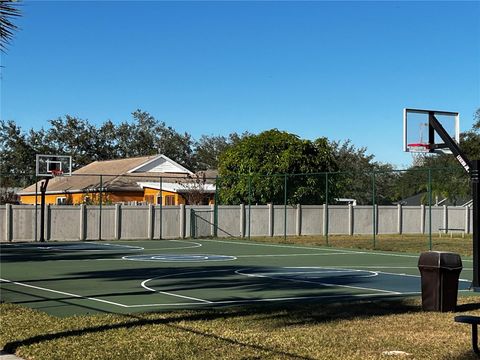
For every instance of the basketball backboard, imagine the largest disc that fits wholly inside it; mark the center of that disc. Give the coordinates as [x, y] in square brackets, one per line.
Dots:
[53, 165]
[419, 134]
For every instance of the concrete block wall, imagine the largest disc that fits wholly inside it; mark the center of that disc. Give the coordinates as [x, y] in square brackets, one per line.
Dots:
[312, 219]
[19, 222]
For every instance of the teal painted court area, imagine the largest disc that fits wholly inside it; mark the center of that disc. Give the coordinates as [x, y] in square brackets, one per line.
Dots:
[65, 279]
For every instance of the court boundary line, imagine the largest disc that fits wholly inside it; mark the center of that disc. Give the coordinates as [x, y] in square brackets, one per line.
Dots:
[61, 292]
[223, 302]
[320, 248]
[316, 282]
[207, 302]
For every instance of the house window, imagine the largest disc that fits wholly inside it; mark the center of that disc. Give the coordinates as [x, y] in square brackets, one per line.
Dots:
[149, 199]
[61, 200]
[159, 200]
[170, 200]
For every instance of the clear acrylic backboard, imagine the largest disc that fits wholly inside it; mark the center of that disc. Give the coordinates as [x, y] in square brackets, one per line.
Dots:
[53, 165]
[419, 135]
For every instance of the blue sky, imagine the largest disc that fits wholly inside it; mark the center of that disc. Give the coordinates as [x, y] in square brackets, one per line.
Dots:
[344, 70]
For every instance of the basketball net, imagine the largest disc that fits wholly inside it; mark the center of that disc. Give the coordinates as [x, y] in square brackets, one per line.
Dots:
[419, 153]
[56, 173]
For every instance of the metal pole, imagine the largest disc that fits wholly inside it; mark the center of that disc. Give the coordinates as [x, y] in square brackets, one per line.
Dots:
[43, 190]
[430, 246]
[374, 215]
[100, 209]
[475, 178]
[192, 224]
[215, 207]
[36, 207]
[326, 208]
[249, 203]
[161, 210]
[285, 209]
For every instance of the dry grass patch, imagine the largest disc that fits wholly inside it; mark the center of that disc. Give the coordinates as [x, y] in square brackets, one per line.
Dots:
[399, 243]
[355, 330]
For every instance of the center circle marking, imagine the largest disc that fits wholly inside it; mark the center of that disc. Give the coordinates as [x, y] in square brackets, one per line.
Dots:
[180, 257]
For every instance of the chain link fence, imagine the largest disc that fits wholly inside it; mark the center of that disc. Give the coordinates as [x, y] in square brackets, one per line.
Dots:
[406, 210]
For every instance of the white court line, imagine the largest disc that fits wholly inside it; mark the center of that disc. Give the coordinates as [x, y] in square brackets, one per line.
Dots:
[172, 294]
[323, 249]
[278, 246]
[196, 245]
[239, 272]
[221, 302]
[143, 284]
[61, 293]
[282, 255]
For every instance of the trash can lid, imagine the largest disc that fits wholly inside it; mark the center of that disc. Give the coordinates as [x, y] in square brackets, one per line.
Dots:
[440, 260]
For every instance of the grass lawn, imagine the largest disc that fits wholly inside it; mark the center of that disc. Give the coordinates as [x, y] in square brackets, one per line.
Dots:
[360, 330]
[399, 243]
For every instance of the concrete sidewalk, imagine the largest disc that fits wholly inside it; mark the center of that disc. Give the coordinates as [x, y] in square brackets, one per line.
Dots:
[5, 356]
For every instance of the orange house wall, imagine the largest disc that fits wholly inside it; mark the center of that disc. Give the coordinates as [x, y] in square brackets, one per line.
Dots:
[51, 199]
[77, 198]
[154, 192]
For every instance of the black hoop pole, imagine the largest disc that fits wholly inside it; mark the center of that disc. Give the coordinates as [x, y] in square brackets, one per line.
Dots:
[43, 190]
[472, 168]
[474, 175]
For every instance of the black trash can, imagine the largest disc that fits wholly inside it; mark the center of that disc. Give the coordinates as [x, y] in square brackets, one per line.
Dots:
[440, 272]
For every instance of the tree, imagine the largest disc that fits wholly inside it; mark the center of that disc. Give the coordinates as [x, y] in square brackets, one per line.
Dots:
[359, 172]
[470, 140]
[8, 12]
[178, 147]
[17, 156]
[209, 148]
[257, 165]
[73, 136]
[193, 189]
[148, 136]
[106, 143]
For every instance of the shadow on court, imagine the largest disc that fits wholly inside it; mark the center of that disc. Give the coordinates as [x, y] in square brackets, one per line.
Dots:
[222, 285]
[50, 251]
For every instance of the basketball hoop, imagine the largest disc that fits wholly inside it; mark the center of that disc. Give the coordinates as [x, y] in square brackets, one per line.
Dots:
[56, 173]
[418, 148]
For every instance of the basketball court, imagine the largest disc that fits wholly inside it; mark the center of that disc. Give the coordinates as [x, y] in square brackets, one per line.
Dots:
[66, 279]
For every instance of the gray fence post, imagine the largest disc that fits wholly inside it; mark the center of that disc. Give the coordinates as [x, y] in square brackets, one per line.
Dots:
[467, 219]
[118, 221]
[212, 220]
[422, 219]
[8, 222]
[270, 219]
[325, 219]
[151, 221]
[182, 221]
[445, 218]
[298, 223]
[350, 219]
[242, 220]
[83, 223]
[48, 220]
[399, 218]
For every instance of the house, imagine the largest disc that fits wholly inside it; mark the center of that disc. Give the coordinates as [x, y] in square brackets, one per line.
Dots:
[422, 199]
[149, 180]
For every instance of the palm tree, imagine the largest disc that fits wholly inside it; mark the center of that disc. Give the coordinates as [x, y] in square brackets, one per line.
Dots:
[7, 12]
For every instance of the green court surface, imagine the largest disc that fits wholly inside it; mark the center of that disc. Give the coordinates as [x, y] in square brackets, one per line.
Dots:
[65, 279]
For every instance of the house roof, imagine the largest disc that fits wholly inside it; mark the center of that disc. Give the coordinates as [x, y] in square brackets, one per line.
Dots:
[422, 198]
[178, 187]
[114, 175]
